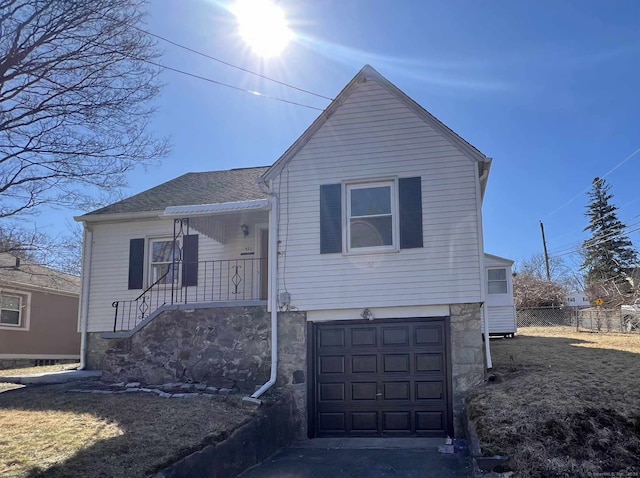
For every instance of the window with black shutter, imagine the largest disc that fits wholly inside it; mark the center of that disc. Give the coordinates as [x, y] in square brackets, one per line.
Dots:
[380, 216]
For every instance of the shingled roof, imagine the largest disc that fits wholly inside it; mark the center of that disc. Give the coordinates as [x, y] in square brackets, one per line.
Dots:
[28, 274]
[212, 187]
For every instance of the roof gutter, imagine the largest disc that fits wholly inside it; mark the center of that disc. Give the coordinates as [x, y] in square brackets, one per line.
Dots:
[273, 295]
[484, 176]
[83, 310]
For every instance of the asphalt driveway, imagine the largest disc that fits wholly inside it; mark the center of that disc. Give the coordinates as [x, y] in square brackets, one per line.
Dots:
[363, 458]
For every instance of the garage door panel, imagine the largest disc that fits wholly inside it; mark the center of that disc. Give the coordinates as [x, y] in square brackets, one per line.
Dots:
[364, 337]
[332, 364]
[396, 390]
[364, 391]
[395, 336]
[430, 390]
[332, 422]
[384, 378]
[364, 364]
[395, 363]
[332, 337]
[396, 422]
[429, 335]
[432, 362]
[331, 392]
[428, 422]
[364, 422]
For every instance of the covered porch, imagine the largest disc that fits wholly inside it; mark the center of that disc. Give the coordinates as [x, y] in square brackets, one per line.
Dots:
[216, 253]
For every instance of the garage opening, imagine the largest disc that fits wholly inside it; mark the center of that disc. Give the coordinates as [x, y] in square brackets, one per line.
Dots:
[381, 378]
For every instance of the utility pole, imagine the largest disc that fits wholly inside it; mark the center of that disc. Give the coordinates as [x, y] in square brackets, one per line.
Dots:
[546, 255]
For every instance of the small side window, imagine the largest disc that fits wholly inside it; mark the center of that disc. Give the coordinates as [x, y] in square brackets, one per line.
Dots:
[497, 281]
[10, 310]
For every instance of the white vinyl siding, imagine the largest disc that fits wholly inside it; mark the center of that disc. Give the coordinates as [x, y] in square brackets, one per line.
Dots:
[502, 319]
[374, 136]
[110, 262]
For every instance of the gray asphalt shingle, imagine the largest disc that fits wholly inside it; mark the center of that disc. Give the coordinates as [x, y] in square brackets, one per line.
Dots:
[212, 187]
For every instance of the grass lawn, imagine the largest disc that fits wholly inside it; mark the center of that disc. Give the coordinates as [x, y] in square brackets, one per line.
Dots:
[50, 432]
[563, 403]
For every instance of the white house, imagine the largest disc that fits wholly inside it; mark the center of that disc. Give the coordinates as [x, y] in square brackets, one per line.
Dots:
[499, 306]
[577, 299]
[352, 271]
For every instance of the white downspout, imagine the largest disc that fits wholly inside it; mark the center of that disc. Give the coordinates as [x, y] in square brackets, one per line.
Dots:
[485, 318]
[83, 310]
[273, 296]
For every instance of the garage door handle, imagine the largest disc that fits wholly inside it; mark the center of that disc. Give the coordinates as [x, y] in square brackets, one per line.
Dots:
[378, 394]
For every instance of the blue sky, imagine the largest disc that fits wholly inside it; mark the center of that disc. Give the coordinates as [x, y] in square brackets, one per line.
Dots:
[548, 89]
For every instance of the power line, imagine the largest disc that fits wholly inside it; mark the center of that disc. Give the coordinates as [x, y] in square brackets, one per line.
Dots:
[230, 64]
[589, 187]
[577, 245]
[599, 241]
[210, 80]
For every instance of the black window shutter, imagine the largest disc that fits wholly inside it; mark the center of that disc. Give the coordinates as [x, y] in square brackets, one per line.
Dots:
[330, 218]
[410, 196]
[190, 260]
[136, 263]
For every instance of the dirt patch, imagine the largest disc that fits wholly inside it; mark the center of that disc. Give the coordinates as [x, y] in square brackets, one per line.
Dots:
[562, 403]
[50, 432]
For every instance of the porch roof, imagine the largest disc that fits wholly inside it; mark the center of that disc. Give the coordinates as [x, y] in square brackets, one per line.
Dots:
[220, 208]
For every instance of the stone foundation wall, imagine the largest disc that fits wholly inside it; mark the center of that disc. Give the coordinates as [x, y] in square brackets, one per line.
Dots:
[467, 357]
[221, 346]
[292, 365]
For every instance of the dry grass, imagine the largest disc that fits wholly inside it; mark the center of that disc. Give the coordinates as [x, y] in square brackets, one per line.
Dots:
[14, 372]
[563, 403]
[50, 432]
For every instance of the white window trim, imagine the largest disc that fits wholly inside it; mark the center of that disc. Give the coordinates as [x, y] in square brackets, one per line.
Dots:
[25, 312]
[149, 263]
[506, 280]
[346, 210]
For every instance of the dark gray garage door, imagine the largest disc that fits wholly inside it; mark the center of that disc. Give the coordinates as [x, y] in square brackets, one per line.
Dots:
[381, 378]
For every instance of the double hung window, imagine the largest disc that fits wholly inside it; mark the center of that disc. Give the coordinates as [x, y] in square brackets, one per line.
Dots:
[371, 216]
[497, 281]
[162, 268]
[10, 310]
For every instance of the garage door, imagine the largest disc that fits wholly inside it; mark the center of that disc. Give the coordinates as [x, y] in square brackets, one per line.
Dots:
[381, 378]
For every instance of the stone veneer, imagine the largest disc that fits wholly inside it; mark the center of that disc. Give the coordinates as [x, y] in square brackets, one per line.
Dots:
[222, 346]
[467, 357]
[292, 365]
[231, 346]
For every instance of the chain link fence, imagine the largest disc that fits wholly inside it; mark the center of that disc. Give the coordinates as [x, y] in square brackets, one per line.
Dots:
[595, 319]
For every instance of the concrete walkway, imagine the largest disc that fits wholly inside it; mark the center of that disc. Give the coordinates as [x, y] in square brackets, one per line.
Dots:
[363, 458]
[63, 376]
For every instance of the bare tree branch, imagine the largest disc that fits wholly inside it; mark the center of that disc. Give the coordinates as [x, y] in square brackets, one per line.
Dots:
[76, 94]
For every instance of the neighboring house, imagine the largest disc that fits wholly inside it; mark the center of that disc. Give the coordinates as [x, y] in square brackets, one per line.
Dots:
[359, 252]
[499, 307]
[577, 299]
[38, 314]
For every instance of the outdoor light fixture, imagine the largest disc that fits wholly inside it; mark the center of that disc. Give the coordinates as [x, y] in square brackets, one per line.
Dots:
[245, 229]
[366, 314]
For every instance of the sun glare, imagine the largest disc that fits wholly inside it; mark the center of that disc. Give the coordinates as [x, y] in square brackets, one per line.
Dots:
[263, 26]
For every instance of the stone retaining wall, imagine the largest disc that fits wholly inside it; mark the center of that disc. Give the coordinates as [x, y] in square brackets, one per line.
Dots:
[222, 346]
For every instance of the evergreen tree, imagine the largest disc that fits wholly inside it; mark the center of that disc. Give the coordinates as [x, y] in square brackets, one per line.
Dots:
[609, 253]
